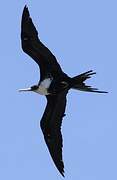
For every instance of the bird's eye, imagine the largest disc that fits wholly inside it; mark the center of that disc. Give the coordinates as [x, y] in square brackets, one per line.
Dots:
[34, 87]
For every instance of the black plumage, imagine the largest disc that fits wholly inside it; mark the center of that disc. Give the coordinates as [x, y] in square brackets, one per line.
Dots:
[54, 84]
[51, 127]
[32, 45]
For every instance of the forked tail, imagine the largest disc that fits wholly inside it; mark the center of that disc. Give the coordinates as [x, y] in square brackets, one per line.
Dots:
[79, 84]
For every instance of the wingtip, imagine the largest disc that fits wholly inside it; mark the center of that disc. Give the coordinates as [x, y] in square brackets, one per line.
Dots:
[61, 170]
[25, 7]
[62, 173]
[25, 10]
[25, 14]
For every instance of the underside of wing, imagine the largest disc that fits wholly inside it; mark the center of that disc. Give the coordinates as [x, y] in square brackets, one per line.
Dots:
[51, 127]
[32, 45]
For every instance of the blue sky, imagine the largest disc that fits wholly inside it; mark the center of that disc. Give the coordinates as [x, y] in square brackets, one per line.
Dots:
[83, 36]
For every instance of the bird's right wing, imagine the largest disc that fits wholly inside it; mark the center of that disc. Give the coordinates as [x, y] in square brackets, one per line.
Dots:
[51, 127]
[32, 45]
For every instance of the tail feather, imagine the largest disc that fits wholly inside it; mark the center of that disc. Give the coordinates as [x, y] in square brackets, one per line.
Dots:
[78, 82]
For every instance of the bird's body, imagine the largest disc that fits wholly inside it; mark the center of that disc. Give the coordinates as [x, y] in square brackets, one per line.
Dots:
[54, 84]
[44, 86]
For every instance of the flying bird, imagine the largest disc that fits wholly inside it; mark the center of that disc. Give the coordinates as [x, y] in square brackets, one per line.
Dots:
[54, 84]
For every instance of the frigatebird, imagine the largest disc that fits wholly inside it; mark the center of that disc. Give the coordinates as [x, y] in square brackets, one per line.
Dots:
[54, 84]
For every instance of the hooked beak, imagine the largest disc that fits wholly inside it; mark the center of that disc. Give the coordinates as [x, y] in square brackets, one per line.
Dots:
[24, 90]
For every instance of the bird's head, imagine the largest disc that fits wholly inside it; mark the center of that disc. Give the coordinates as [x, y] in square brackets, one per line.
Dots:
[32, 88]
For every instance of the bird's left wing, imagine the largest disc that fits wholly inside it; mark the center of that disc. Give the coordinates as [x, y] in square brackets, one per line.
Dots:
[51, 127]
[32, 45]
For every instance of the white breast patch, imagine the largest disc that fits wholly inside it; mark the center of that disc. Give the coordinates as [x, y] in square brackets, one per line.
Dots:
[46, 83]
[43, 87]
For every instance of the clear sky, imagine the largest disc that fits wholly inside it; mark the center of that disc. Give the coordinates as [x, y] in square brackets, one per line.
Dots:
[83, 36]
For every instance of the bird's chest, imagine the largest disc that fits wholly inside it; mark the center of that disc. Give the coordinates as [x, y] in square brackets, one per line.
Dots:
[44, 86]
